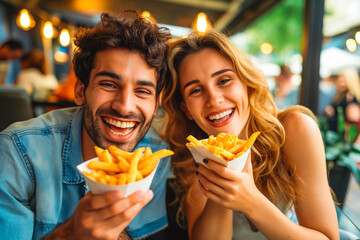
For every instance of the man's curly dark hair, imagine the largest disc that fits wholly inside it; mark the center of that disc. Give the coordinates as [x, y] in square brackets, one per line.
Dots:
[127, 30]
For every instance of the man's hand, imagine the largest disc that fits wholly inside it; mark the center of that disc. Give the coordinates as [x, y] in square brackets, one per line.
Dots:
[102, 216]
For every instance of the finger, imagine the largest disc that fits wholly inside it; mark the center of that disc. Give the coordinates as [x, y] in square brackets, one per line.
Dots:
[210, 195]
[95, 202]
[126, 216]
[220, 170]
[210, 186]
[122, 205]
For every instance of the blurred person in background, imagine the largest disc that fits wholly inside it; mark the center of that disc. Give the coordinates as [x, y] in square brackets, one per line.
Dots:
[33, 76]
[327, 91]
[65, 90]
[285, 93]
[347, 97]
[9, 50]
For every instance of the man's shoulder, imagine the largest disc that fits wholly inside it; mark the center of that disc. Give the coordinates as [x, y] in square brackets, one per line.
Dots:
[153, 140]
[56, 120]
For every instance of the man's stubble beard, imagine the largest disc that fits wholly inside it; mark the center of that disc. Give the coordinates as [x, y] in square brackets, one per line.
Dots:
[91, 124]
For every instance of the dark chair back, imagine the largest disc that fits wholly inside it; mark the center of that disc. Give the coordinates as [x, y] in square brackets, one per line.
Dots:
[15, 105]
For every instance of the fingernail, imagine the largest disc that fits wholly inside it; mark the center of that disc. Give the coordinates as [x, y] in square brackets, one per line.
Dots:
[116, 195]
[196, 165]
[196, 173]
[149, 194]
[139, 195]
[205, 161]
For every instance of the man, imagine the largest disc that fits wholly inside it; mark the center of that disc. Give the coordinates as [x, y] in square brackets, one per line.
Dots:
[120, 66]
[9, 50]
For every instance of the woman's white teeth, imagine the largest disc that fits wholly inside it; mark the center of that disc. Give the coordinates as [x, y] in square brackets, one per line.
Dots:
[221, 115]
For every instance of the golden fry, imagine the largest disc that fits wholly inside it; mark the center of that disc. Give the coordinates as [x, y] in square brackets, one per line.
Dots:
[193, 140]
[98, 151]
[112, 167]
[117, 151]
[225, 146]
[134, 164]
[118, 167]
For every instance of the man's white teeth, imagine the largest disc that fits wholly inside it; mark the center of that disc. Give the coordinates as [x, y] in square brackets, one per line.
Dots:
[120, 124]
[122, 134]
[221, 115]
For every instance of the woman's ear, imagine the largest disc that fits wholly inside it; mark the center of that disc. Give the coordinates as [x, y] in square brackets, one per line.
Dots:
[186, 111]
[79, 92]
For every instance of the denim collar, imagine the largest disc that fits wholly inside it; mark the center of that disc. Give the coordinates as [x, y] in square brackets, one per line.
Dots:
[72, 153]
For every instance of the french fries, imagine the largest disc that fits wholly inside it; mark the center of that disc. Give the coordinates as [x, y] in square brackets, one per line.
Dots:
[225, 146]
[119, 167]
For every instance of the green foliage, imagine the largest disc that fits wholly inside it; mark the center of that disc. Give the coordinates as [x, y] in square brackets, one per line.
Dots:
[281, 27]
[339, 146]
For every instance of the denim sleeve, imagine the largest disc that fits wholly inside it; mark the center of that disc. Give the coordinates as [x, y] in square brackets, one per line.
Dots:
[16, 189]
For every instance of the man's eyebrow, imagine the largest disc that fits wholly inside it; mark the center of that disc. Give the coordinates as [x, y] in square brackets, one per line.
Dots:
[145, 83]
[220, 72]
[191, 82]
[108, 74]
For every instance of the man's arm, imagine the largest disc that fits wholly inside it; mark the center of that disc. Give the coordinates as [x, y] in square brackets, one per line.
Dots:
[102, 216]
[16, 191]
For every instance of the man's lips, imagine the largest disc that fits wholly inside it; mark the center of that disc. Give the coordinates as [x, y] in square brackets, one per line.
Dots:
[119, 127]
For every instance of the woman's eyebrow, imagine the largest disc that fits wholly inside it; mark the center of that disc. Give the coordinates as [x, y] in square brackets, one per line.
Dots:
[220, 72]
[190, 83]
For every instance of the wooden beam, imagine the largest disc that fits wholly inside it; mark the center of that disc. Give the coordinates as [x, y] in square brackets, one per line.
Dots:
[229, 15]
[312, 42]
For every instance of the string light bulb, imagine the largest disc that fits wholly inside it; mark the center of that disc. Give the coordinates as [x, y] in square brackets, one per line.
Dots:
[202, 22]
[64, 38]
[357, 37]
[25, 20]
[48, 30]
[146, 15]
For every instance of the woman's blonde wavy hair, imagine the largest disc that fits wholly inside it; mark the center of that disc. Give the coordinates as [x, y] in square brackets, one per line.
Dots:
[273, 174]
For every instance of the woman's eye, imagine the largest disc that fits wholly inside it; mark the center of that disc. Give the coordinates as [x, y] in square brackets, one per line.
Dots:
[196, 90]
[224, 81]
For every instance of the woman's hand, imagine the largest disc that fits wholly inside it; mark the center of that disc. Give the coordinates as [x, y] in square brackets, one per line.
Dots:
[227, 187]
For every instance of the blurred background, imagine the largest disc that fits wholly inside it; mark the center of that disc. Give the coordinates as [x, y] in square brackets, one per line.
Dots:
[309, 52]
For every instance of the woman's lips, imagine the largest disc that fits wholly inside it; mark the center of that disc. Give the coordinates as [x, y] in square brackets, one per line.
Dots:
[220, 118]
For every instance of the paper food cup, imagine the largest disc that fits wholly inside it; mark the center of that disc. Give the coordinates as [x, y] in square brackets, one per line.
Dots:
[126, 189]
[201, 152]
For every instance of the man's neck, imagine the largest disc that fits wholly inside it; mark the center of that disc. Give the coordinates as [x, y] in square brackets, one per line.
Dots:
[87, 145]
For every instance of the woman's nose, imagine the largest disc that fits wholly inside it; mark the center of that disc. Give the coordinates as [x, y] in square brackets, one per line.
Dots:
[215, 98]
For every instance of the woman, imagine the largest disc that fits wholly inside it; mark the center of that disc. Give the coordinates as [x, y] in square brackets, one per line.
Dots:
[214, 88]
[347, 97]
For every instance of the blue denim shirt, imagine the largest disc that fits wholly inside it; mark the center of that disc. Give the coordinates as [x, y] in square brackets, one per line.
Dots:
[40, 186]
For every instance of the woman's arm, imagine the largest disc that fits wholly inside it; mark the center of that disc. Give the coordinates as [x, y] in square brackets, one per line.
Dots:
[314, 207]
[206, 219]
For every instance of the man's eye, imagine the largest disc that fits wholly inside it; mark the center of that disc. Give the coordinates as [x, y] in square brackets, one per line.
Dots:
[108, 85]
[143, 92]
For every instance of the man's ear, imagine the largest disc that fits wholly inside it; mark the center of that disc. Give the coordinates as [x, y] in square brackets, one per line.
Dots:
[186, 111]
[156, 107]
[79, 92]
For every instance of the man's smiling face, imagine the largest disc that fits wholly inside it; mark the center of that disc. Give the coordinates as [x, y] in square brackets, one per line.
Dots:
[120, 100]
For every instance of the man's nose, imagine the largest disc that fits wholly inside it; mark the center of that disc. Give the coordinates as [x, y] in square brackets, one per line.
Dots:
[125, 101]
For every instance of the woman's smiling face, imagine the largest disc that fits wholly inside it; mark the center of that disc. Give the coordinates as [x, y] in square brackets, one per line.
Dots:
[214, 96]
